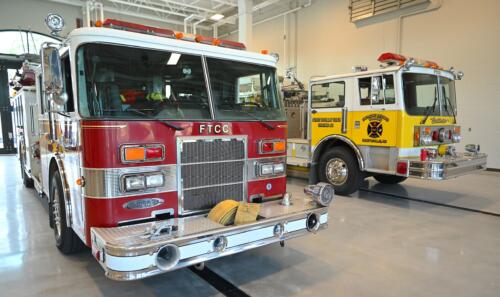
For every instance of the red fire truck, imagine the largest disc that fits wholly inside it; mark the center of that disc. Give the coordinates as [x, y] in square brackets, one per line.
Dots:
[133, 133]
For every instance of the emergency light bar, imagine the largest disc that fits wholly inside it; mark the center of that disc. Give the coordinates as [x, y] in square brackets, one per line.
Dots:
[138, 28]
[396, 59]
[121, 25]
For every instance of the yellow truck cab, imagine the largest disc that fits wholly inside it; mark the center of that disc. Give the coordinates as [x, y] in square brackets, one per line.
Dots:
[392, 123]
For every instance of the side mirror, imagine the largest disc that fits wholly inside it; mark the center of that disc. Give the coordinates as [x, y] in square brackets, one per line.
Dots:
[52, 74]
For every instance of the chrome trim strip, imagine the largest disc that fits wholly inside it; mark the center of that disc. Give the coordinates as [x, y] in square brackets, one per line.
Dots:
[106, 183]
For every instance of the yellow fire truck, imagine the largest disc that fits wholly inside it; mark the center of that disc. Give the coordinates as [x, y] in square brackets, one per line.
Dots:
[392, 123]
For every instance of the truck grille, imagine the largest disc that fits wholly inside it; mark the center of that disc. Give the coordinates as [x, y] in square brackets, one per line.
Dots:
[211, 170]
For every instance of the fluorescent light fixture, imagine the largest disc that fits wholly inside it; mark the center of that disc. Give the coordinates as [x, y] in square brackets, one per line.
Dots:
[217, 17]
[174, 58]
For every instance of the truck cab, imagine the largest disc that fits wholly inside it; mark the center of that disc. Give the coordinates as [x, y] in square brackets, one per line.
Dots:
[391, 123]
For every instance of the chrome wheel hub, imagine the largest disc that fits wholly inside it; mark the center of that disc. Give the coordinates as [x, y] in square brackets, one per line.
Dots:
[56, 212]
[336, 171]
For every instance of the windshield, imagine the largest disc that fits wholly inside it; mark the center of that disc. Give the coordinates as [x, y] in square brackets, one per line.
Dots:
[134, 83]
[125, 82]
[422, 97]
[244, 91]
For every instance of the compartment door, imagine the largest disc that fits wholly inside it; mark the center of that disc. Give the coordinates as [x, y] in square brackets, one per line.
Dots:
[328, 110]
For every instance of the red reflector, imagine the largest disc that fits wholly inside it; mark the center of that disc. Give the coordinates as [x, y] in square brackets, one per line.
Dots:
[402, 168]
[154, 153]
[435, 135]
[423, 155]
[111, 23]
[267, 147]
[450, 134]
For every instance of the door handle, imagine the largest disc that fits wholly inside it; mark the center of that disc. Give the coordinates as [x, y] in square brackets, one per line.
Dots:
[314, 111]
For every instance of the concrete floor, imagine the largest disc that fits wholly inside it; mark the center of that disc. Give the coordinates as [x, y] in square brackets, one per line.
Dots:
[375, 246]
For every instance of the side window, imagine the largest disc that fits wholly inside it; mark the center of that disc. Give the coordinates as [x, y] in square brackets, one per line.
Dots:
[66, 70]
[389, 92]
[377, 90]
[328, 95]
[364, 90]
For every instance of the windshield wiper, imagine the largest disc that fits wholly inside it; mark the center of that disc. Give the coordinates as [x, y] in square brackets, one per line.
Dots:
[175, 127]
[452, 109]
[263, 122]
[429, 110]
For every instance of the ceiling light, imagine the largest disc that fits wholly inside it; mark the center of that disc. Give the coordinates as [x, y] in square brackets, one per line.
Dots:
[174, 58]
[217, 17]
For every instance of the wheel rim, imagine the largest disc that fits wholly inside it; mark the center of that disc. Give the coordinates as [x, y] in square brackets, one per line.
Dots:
[56, 212]
[336, 171]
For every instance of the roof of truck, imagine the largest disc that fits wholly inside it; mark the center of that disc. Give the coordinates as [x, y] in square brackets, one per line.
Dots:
[354, 74]
[127, 38]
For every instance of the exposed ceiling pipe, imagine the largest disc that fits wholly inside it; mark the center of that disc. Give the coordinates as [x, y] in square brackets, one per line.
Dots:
[399, 37]
[197, 23]
[274, 17]
[192, 17]
[128, 13]
[229, 3]
[195, 7]
[156, 9]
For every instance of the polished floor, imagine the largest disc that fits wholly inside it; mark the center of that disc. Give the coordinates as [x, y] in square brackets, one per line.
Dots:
[376, 245]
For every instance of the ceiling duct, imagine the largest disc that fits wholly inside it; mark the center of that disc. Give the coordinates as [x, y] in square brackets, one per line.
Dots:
[364, 9]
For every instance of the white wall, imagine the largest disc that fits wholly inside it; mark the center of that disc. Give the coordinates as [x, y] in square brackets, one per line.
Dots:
[462, 33]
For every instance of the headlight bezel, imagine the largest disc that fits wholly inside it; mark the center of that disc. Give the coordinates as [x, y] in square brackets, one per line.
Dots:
[125, 178]
[272, 169]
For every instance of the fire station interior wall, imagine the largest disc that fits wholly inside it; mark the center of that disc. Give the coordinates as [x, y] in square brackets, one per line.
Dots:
[321, 40]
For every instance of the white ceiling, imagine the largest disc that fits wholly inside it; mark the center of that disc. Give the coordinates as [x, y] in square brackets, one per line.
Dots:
[176, 11]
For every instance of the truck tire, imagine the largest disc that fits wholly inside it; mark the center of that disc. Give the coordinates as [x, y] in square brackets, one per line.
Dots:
[339, 167]
[27, 181]
[66, 239]
[389, 179]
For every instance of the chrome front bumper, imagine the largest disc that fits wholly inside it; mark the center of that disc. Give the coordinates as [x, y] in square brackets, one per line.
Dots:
[131, 252]
[445, 167]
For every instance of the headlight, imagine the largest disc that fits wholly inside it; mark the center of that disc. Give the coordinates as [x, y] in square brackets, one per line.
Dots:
[426, 140]
[154, 180]
[137, 182]
[134, 183]
[456, 138]
[271, 168]
[266, 169]
[279, 168]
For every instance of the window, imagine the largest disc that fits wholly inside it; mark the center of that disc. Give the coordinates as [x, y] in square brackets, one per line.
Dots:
[377, 90]
[389, 92]
[364, 90]
[125, 82]
[243, 91]
[328, 95]
[18, 42]
[68, 88]
[422, 97]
